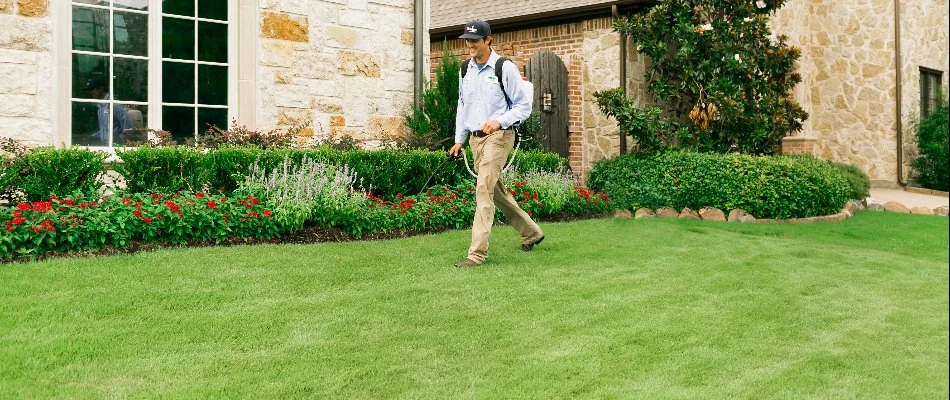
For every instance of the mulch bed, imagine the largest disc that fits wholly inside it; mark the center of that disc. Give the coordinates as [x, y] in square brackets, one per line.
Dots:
[307, 235]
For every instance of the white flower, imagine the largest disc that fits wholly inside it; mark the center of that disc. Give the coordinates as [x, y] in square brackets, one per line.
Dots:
[737, 58]
[747, 19]
[706, 27]
[760, 4]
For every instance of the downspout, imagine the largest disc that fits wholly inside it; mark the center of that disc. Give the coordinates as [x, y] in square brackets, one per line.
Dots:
[623, 72]
[418, 79]
[900, 94]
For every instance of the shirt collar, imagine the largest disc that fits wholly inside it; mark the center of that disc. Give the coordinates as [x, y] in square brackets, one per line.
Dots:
[492, 59]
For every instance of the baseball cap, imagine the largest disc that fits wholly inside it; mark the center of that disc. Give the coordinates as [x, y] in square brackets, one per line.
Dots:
[476, 29]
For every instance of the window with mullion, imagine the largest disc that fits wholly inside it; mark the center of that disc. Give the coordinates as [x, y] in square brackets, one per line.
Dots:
[930, 85]
[112, 46]
[194, 66]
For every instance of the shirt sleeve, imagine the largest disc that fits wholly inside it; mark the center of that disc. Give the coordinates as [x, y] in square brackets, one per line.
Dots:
[461, 134]
[520, 103]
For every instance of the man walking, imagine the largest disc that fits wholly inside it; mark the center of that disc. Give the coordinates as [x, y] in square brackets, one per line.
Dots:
[489, 114]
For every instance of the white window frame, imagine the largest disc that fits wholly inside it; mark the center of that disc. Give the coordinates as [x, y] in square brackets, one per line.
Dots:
[243, 25]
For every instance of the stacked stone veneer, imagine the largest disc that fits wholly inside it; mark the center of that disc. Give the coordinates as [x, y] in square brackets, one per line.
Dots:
[26, 71]
[849, 81]
[590, 51]
[344, 66]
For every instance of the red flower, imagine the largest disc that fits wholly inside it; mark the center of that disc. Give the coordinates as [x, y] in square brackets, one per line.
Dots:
[69, 201]
[147, 220]
[199, 195]
[42, 206]
[403, 210]
[18, 221]
[518, 185]
[17, 213]
[399, 195]
[212, 204]
[138, 204]
[137, 213]
[126, 201]
[23, 206]
[37, 229]
[267, 213]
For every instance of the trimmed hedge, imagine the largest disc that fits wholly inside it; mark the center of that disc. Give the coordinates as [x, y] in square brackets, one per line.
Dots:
[46, 171]
[858, 181]
[385, 172]
[765, 186]
[162, 169]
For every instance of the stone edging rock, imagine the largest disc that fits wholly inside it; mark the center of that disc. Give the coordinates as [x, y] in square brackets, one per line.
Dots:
[739, 215]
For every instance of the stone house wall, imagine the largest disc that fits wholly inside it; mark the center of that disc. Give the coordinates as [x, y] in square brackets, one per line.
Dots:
[849, 79]
[346, 67]
[26, 71]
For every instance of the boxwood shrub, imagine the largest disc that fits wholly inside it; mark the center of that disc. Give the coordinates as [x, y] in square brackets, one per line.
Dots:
[765, 186]
[48, 171]
[385, 172]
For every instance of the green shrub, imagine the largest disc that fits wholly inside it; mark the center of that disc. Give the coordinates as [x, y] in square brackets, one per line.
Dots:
[432, 124]
[48, 171]
[857, 179]
[766, 187]
[385, 172]
[932, 164]
[170, 169]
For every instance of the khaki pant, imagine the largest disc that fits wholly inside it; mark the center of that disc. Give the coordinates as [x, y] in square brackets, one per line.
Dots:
[490, 154]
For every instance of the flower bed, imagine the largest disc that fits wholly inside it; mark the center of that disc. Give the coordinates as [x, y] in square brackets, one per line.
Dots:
[269, 205]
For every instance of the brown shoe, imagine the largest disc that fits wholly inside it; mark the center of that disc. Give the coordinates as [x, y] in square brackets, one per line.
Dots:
[530, 246]
[467, 263]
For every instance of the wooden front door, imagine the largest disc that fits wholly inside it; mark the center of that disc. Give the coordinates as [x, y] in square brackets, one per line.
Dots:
[548, 74]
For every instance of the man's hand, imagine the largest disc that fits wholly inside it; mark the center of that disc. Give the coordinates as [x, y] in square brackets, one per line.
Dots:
[456, 150]
[491, 126]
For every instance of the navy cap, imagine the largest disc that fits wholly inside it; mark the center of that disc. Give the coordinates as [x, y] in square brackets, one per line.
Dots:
[476, 29]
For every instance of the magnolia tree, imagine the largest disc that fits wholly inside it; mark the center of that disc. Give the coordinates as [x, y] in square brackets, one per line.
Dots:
[720, 79]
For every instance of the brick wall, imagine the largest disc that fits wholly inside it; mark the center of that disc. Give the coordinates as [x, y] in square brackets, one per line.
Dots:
[564, 40]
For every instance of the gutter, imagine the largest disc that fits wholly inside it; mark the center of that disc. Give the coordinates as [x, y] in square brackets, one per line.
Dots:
[900, 94]
[418, 78]
[623, 72]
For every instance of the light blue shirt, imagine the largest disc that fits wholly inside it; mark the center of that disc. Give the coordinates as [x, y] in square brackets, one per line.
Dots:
[481, 99]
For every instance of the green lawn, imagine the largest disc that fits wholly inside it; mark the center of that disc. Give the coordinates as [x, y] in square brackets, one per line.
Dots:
[602, 309]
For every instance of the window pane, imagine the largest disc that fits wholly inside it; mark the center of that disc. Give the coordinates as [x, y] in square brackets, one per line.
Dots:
[212, 85]
[212, 42]
[178, 38]
[85, 122]
[137, 116]
[133, 4]
[180, 121]
[130, 81]
[212, 116]
[90, 29]
[131, 33]
[213, 9]
[178, 82]
[89, 76]
[179, 7]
